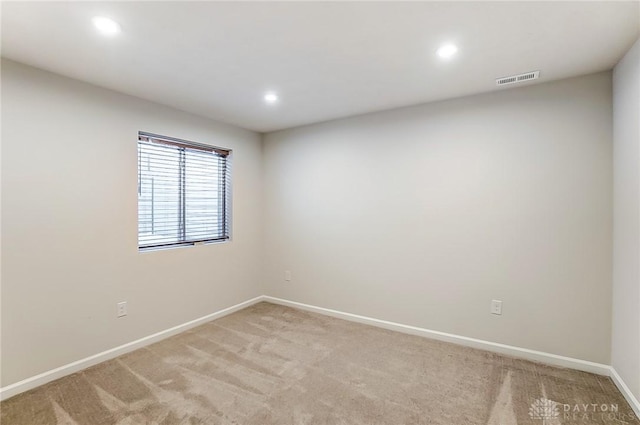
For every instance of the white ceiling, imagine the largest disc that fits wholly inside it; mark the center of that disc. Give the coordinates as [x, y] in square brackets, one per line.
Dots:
[325, 59]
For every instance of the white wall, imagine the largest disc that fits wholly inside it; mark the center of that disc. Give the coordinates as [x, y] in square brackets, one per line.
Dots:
[419, 215]
[422, 215]
[69, 224]
[626, 229]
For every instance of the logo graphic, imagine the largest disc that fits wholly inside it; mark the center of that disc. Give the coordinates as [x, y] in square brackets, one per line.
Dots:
[544, 409]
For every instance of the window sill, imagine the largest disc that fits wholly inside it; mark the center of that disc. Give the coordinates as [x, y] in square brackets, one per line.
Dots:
[185, 245]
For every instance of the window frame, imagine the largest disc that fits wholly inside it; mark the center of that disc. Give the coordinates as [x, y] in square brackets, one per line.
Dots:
[225, 212]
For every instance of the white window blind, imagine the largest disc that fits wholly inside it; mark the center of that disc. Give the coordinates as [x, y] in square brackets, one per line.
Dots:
[183, 192]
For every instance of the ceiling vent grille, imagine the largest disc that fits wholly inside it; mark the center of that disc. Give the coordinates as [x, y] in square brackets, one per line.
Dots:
[513, 79]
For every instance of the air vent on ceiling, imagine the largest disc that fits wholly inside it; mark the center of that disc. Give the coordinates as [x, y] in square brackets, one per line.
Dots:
[513, 79]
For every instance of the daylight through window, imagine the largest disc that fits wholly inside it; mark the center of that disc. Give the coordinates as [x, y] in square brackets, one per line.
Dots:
[183, 192]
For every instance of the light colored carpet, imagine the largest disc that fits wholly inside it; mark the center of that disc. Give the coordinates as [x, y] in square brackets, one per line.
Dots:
[270, 364]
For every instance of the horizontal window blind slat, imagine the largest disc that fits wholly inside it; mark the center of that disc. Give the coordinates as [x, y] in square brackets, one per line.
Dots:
[183, 193]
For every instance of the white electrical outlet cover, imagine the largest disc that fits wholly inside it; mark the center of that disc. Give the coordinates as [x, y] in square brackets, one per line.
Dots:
[122, 309]
[496, 307]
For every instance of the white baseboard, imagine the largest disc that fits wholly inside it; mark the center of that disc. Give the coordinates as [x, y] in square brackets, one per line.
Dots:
[626, 392]
[51, 375]
[539, 356]
[524, 353]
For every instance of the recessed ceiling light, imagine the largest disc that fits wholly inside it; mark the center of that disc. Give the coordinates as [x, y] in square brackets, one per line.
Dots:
[271, 98]
[447, 51]
[105, 25]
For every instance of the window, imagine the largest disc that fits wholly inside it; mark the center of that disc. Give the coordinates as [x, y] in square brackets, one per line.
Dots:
[183, 192]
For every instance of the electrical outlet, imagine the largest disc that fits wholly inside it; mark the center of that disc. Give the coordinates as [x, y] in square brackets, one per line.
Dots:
[496, 307]
[122, 309]
[287, 275]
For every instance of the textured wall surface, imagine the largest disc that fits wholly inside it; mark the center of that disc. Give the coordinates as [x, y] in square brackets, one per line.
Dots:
[69, 224]
[625, 346]
[423, 215]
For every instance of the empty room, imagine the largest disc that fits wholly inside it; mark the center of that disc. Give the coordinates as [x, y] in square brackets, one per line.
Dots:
[319, 213]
